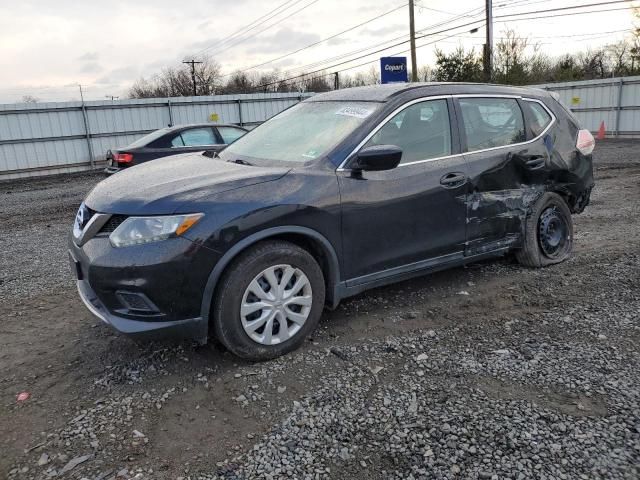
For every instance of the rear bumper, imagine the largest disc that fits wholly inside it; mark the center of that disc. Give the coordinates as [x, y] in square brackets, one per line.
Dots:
[192, 328]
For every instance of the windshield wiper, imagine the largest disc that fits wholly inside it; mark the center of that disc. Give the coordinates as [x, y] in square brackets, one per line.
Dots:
[239, 161]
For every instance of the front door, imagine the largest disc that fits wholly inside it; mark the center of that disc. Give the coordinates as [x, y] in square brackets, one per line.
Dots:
[395, 220]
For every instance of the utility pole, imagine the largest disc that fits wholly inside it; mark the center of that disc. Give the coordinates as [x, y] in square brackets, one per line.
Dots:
[412, 33]
[488, 46]
[192, 62]
[336, 81]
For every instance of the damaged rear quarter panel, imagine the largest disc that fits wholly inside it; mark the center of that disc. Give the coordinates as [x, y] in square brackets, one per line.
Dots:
[505, 183]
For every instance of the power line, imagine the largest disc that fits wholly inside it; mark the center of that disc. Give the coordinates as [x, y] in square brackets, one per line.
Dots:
[457, 27]
[249, 26]
[241, 40]
[470, 14]
[369, 54]
[562, 14]
[375, 60]
[599, 4]
[436, 25]
[320, 41]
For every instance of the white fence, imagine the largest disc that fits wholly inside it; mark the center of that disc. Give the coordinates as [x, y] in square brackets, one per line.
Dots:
[46, 138]
[614, 101]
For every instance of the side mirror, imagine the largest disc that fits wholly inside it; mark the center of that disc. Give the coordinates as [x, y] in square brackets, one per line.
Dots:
[378, 157]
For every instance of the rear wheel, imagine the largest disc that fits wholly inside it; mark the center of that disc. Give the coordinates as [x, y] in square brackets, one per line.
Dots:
[269, 300]
[548, 235]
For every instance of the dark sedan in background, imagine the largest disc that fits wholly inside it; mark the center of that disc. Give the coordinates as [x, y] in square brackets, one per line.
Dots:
[171, 141]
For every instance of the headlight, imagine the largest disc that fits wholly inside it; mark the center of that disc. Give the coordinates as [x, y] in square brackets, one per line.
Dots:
[137, 230]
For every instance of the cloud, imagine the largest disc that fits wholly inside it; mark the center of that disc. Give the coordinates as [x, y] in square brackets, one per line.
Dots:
[89, 57]
[118, 75]
[338, 41]
[283, 40]
[398, 29]
[91, 67]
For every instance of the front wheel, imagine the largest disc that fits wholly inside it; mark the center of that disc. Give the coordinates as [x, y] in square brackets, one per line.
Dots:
[269, 300]
[548, 233]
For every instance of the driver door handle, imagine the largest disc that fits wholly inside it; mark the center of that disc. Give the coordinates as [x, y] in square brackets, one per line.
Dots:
[453, 180]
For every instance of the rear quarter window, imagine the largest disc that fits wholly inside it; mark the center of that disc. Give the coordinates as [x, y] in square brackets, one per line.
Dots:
[539, 118]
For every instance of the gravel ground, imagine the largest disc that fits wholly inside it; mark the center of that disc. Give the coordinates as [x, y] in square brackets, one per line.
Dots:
[487, 372]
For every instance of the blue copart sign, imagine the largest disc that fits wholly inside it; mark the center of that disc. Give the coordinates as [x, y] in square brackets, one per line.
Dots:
[393, 69]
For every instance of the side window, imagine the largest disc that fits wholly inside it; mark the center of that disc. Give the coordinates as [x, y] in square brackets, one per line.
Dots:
[177, 141]
[194, 137]
[540, 118]
[230, 134]
[422, 131]
[491, 122]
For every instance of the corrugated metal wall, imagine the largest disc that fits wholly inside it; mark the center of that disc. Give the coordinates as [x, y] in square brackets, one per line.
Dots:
[45, 138]
[614, 101]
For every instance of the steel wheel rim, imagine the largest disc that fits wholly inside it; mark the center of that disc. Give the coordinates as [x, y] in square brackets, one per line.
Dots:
[276, 304]
[553, 232]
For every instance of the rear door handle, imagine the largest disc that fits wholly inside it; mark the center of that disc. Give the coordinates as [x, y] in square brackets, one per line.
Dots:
[453, 180]
[535, 163]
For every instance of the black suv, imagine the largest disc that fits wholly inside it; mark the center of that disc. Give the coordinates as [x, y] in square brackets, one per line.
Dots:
[343, 192]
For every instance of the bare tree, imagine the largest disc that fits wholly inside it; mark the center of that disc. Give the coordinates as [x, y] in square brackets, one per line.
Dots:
[619, 54]
[208, 75]
[593, 63]
[30, 99]
[177, 82]
[424, 73]
[510, 65]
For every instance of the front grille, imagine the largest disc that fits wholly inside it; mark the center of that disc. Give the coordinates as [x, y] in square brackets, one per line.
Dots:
[113, 223]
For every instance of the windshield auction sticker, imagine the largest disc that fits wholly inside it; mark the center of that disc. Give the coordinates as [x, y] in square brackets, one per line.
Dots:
[351, 111]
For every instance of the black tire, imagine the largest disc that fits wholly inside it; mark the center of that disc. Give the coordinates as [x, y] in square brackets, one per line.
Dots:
[226, 308]
[548, 233]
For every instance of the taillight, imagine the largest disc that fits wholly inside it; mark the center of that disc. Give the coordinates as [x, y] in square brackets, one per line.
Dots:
[586, 143]
[123, 157]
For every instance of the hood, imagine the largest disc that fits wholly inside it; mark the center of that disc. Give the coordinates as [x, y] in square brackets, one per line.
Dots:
[169, 185]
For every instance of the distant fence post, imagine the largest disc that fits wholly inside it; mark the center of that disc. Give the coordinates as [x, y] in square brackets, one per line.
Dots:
[619, 106]
[170, 112]
[240, 111]
[87, 132]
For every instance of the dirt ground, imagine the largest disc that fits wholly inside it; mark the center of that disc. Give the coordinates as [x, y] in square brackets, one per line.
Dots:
[166, 410]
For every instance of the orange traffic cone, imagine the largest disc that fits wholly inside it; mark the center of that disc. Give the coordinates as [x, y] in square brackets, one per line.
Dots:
[601, 131]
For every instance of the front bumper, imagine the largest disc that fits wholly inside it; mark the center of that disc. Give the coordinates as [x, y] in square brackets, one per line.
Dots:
[193, 328]
[153, 290]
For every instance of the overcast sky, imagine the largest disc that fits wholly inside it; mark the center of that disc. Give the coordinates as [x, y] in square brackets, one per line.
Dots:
[49, 46]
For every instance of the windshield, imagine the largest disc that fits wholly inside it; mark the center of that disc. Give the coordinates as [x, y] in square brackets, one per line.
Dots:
[302, 133]
[150, 137]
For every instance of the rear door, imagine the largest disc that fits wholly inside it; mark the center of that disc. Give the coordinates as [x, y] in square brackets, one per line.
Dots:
[229, 134]
[508, 164]
[399, 220]
[197, 139]
[192, 139]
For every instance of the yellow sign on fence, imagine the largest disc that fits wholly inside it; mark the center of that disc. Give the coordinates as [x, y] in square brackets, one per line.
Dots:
[575, 100]
[214, 117]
